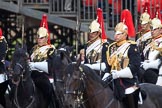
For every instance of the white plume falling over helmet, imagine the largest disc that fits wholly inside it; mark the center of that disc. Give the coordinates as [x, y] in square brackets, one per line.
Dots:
[42, 32]
[94, 26]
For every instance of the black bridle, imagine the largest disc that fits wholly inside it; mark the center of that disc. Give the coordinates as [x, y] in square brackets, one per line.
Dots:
[21, 78]
[79, 92]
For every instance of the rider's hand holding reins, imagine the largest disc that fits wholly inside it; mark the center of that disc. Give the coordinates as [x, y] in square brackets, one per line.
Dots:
[123, 73]
[150, 64]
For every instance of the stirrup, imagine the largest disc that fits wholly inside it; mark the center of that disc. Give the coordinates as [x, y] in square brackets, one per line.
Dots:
[140, 101]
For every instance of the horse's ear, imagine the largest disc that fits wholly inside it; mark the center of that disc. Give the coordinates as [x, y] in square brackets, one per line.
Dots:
[62, 55]
[17, 46]
[25, 47]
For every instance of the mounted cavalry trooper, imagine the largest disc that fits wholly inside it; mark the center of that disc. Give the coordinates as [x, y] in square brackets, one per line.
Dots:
[143, 37]
[39, 59]
[95, 49]
[153, 53]
[3, 52]
[94, 45]
[123, 62]
[3, 82]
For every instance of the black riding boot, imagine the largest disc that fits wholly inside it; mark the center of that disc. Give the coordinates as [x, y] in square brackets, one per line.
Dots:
[131, 100]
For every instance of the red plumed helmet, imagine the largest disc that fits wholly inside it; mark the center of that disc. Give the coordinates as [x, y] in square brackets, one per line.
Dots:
[44, 24]
[146, 7]
[0, 33]
[126, 18]
[157, 12]
[101, 22]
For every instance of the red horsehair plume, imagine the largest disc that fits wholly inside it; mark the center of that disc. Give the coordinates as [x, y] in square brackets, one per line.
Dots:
[101, 22]
[157, 12]
[44, 24]
[146, 7]
[1, 33]
[126, 18]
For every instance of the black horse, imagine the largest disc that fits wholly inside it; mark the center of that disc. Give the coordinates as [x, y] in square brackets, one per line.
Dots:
[84, 89]
[3, 88]
[24, 93]
[57, 64]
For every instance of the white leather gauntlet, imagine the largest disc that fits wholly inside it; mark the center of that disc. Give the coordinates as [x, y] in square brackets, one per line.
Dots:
[151, 64]
[124, 73]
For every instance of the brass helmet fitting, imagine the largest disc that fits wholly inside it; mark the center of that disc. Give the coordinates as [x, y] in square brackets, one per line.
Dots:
[94, 26]
[145, 18]
[42, 32]
[121, 28]
[156, 23]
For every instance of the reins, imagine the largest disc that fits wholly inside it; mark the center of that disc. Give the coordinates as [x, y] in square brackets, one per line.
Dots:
[22, 79]
[15, 100]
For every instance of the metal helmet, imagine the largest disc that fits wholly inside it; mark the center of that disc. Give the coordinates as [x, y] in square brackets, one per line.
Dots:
[121, 28]
[42, 32]
[94, 26]
[145, 18]
[155, 23]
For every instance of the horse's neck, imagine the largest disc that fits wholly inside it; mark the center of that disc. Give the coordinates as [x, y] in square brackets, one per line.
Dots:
[26, 88]
[95, 93]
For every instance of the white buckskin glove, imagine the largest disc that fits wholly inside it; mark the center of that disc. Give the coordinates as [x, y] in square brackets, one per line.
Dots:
[31, 65]
[97, 66]
[114, 74]
[105, 76]
[40, 66]
[124, 73]
[150, 64]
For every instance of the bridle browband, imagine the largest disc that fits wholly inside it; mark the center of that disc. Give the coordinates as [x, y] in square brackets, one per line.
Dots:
[80, 91]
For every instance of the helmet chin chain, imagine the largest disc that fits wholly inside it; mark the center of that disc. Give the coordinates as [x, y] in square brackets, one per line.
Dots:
[92, 40]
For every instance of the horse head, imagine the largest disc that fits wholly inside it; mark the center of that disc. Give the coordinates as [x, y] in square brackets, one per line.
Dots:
[57, 64]
[79, 81]
[19, 64]
[73, 85]
[59, 60]
[83, 86]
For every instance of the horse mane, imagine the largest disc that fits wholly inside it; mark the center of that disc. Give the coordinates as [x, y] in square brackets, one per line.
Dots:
[88, 72]
[91, 73]
[67, 50]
